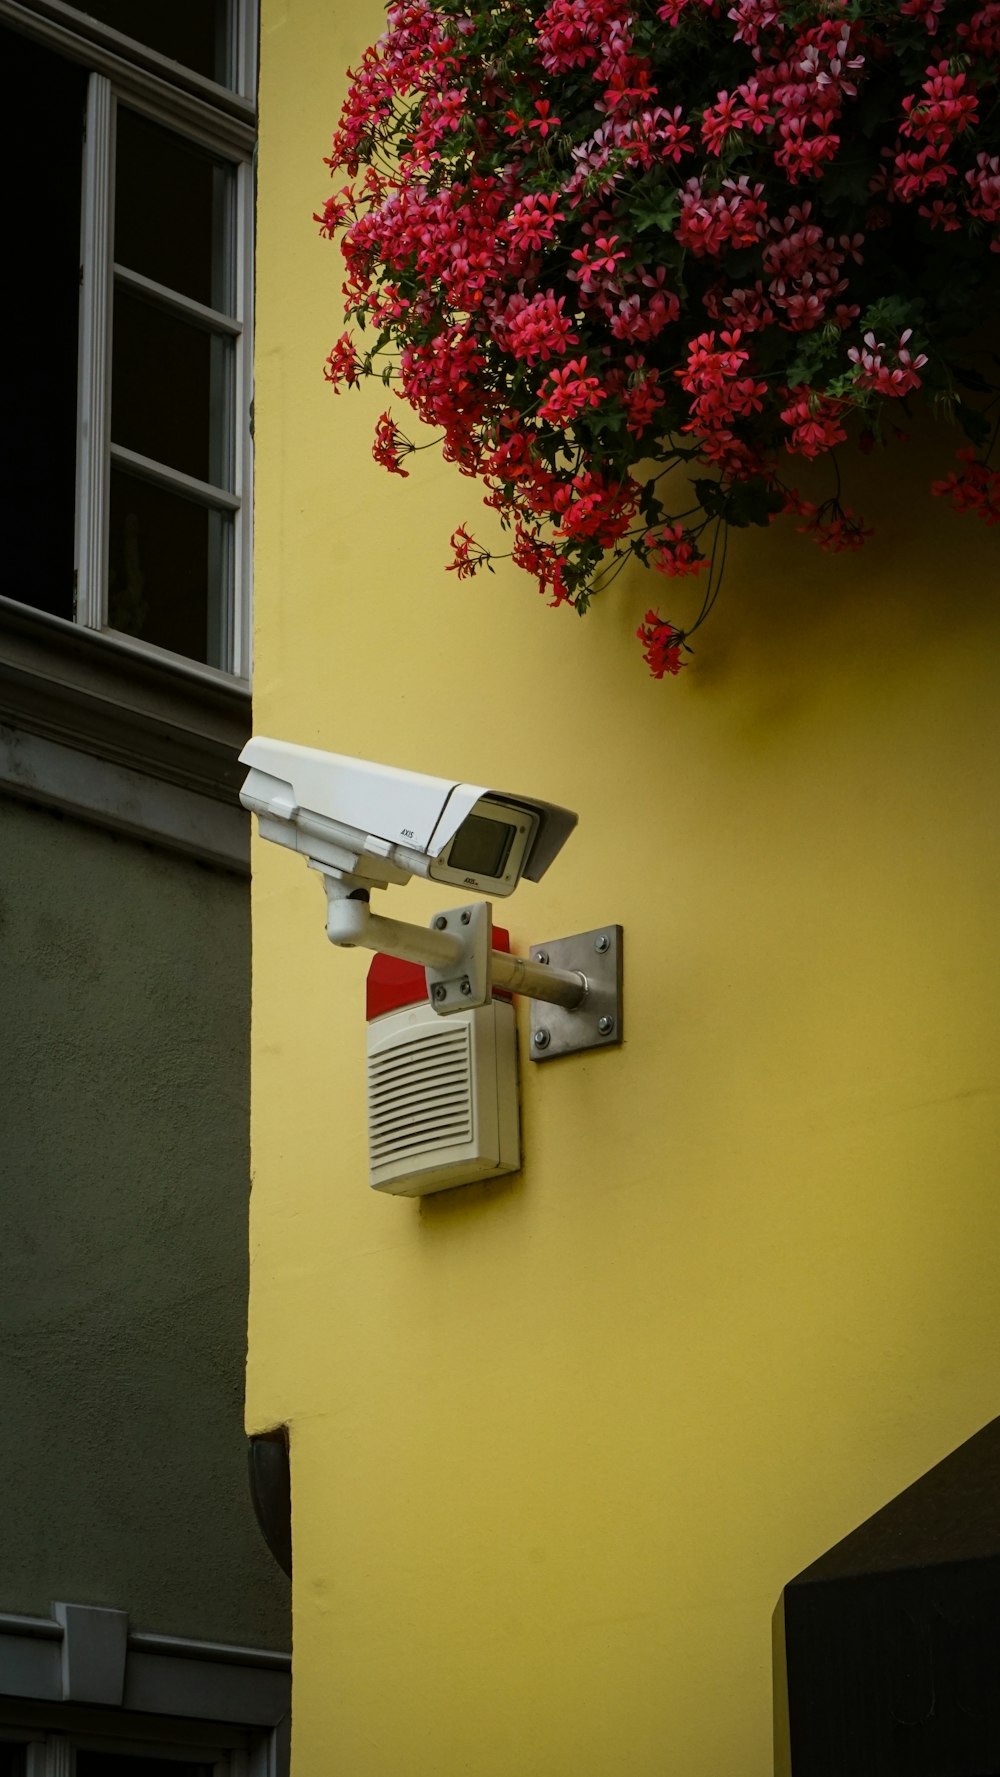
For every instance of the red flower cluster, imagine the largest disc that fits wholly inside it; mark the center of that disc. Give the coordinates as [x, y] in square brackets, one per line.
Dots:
[592, 236]
[672, 552]
[886, 379]
[661, 645]
[390, 446]
[814, 422]
[973, 488]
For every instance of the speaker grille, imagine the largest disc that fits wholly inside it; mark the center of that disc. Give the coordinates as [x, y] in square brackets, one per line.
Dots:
[420, 1095]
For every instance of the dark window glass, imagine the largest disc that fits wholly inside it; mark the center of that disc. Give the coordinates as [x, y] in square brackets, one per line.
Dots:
[43, 106]
[124, 1764]
[169, 387]
[172, 211]
[192, 32]
[168, 565]
[12, 1760]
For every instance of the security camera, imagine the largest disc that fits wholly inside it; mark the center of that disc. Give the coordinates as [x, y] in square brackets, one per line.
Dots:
[364, 826]
[379, 825]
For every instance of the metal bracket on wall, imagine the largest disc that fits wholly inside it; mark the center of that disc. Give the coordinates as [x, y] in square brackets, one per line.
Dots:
[574, 984]
[596, 1023]
[455, 986]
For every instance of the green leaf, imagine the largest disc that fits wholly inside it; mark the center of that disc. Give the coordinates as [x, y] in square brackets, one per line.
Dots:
[975, 425]
[711, 496]
[890, 316]
[655, 208]
[972, 379]
[744, 503]
[610, 418]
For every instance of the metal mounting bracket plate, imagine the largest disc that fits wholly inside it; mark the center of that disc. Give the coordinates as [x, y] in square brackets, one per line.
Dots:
[597, 1022]
[457, 986]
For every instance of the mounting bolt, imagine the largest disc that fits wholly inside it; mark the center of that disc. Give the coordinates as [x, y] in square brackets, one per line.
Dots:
[438, 992]
[466, 915]
[602, 942]
[541, 1039]
[605, 1025]
[440, 921]
[541, 956]
[466, 986]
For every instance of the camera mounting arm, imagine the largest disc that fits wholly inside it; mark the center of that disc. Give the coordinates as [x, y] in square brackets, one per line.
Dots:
[456, 950]
[455, 958]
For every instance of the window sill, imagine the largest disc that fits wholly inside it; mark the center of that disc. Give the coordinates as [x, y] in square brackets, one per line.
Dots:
[166, 731]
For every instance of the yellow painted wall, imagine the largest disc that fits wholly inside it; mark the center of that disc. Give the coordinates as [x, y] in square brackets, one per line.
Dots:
[558, 1443]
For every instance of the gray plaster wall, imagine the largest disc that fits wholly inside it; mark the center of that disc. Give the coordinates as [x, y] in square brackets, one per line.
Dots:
[124, 1012]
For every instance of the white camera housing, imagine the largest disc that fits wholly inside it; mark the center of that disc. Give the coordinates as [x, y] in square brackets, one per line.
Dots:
[380, 825]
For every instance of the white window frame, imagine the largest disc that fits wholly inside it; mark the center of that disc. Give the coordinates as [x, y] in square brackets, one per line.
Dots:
[83, 1679]
[220, 120]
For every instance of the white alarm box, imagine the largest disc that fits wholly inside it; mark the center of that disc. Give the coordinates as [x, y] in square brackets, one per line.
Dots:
[442, 1092]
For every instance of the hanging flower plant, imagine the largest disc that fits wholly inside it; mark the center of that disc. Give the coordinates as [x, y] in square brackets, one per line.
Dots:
[596, 240]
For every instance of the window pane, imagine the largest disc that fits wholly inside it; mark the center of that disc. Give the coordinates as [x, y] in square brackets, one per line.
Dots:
[169, 569]
[169, 388]
[39, 298]
[160, 174]
[192, 32]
